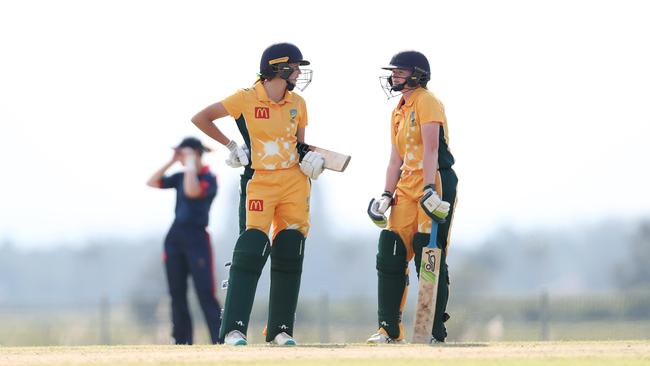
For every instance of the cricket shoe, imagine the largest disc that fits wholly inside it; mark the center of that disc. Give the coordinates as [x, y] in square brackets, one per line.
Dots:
[235, 338]
[381, 337]
[283, 339]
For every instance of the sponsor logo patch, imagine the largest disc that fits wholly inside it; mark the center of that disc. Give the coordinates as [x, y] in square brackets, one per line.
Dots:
[262, 112]
[255, 205]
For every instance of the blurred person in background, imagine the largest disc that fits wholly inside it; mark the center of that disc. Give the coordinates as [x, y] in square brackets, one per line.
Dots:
[187, 246]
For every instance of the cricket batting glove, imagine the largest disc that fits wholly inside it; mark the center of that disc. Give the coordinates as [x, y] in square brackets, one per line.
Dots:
[378, 207]
[239, 156]
[312, 164]
[432, 205]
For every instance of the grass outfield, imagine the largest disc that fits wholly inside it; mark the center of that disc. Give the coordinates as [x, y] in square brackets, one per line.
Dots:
[455, 354]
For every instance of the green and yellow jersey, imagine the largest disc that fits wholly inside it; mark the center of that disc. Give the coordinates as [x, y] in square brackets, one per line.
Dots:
[268, 128]
[422, 107]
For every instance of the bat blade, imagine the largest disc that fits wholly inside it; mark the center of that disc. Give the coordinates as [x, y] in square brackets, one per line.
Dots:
[427, 291]
[333, 160]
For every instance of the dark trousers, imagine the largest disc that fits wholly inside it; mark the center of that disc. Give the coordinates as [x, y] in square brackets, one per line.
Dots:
[188, 251]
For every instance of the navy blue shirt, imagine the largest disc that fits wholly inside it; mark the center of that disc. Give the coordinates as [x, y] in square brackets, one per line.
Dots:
[192, 211]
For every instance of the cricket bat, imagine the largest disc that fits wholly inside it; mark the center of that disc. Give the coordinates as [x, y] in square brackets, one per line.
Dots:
[333, 160]
[427, 290]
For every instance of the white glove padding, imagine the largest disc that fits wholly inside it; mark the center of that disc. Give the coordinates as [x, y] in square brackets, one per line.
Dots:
[312, 164]
[239, 156]
[378, 207]
[432, 205]
[233, 159]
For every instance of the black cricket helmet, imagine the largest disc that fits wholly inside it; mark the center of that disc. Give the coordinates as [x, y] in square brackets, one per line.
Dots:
[193, 143]
[276, 61]
[414, 61]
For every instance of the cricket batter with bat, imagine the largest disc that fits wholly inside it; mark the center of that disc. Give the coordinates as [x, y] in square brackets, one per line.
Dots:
[275, 188]
[420, 185]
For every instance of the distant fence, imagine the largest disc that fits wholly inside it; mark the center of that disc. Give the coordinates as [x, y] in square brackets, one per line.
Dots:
[324, 320]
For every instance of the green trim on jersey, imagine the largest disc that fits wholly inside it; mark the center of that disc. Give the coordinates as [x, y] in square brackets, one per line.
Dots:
[445, 159]
[246, 176]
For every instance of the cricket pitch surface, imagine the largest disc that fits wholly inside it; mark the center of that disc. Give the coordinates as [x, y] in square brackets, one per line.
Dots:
[494, 353]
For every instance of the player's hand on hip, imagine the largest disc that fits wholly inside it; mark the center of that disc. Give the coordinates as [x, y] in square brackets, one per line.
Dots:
[432, 205]
[312, 164]
[239, 155]
[378, 207]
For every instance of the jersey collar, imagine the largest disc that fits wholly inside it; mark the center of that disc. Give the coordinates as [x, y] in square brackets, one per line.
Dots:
[204, 170]
[263, 97]
[409, 102]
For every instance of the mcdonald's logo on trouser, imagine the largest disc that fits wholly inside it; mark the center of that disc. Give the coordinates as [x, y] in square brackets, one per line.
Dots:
[279, 197]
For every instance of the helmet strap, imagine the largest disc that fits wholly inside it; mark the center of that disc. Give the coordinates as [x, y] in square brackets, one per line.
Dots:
[398, 87]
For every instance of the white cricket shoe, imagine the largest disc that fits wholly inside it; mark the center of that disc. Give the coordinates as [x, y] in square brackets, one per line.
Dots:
[235, 338]
[382, 338]
[283, 339]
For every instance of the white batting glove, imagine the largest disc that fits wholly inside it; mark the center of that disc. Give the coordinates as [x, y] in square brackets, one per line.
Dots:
[312, 164]
[378, 207]
[238, 155]
[233, 160]
[432, 205]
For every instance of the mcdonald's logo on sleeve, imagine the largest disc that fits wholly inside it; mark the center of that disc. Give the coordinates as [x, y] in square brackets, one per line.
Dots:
[255, 205]
[262, 112]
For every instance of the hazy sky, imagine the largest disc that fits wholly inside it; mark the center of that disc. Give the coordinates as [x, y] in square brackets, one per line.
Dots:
[547, 103]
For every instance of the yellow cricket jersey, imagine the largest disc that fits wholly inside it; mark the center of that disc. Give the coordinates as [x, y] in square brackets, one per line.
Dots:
[422, 107]
[269, 128]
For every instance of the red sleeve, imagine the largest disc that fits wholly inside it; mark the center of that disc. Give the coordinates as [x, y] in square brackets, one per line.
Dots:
[205, 185]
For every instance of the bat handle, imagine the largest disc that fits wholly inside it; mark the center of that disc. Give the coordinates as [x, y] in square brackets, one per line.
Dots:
[303, 149]
[434, 235]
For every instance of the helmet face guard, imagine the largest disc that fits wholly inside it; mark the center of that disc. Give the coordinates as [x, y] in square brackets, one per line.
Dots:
[303, 80]
[386, 83]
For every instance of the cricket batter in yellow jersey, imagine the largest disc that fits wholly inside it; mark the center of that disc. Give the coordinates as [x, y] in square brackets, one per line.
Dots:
[420, 184]
[275, 190]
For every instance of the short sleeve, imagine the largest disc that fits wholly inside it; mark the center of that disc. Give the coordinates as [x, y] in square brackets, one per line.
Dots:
[429, 109]
[302, 122]
[170, 181]
[393, 130]
[234, 104]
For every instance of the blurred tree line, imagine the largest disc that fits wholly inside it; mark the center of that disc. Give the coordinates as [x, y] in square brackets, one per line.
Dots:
[602, 258]
[633, 273]
[595, 273]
